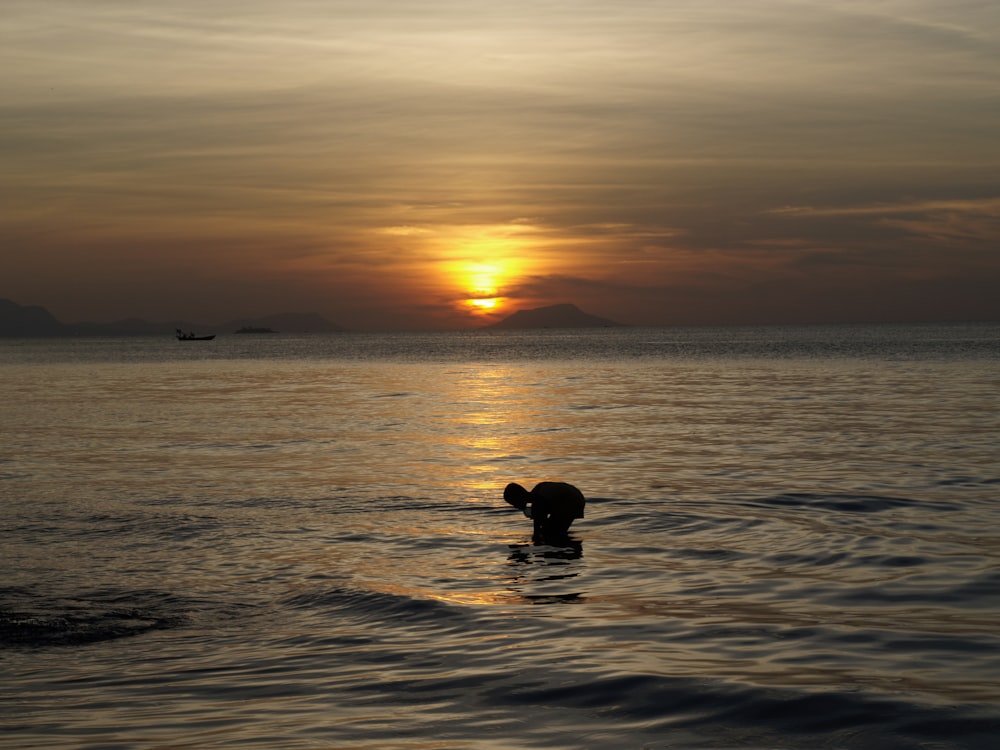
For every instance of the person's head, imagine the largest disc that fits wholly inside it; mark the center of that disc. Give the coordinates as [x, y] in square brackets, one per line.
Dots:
[516, 495]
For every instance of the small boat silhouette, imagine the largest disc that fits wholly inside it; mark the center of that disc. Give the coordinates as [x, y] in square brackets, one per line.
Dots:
[181, 336]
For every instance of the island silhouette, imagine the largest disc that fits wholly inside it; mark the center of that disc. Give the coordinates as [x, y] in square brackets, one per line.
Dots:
[565, 315]
[28, 321]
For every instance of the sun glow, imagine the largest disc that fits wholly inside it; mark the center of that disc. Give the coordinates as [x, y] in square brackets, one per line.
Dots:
[481, 285]
[485, 264]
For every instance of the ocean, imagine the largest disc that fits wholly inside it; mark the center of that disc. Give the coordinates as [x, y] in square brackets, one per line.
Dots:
[791, 540]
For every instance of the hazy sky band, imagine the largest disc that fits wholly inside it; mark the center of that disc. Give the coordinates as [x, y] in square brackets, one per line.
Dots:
[655, 162]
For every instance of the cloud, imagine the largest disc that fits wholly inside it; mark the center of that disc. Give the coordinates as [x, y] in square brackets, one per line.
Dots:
[981, 206]
[954, 221]
[660, 152]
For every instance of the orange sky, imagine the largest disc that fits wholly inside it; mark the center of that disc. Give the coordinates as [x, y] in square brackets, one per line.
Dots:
[389, 164]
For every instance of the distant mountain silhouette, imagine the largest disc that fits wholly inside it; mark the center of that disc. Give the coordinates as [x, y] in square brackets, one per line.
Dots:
[24, 321]
[555, 316]
[18, 320]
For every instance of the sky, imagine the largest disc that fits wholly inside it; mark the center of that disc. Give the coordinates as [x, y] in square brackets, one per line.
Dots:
[412, 164]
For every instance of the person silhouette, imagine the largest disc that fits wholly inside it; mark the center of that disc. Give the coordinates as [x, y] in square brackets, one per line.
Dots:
[554, 507]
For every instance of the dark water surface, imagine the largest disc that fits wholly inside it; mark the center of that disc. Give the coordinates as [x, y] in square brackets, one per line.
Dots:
[791, 540]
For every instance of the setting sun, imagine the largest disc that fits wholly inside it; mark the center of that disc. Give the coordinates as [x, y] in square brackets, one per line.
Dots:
[480, 269]
[483, 285]
[480, 286]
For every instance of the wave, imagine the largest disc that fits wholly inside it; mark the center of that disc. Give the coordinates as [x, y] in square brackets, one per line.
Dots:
[848, 503]
[376, 606]
[429, 652]
[719, 710]
[31, 620]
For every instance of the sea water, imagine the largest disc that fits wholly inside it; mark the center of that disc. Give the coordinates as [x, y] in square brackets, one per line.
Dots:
[791, 540]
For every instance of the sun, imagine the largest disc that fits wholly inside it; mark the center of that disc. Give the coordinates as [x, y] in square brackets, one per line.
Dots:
[486, 264]
[481, 285]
